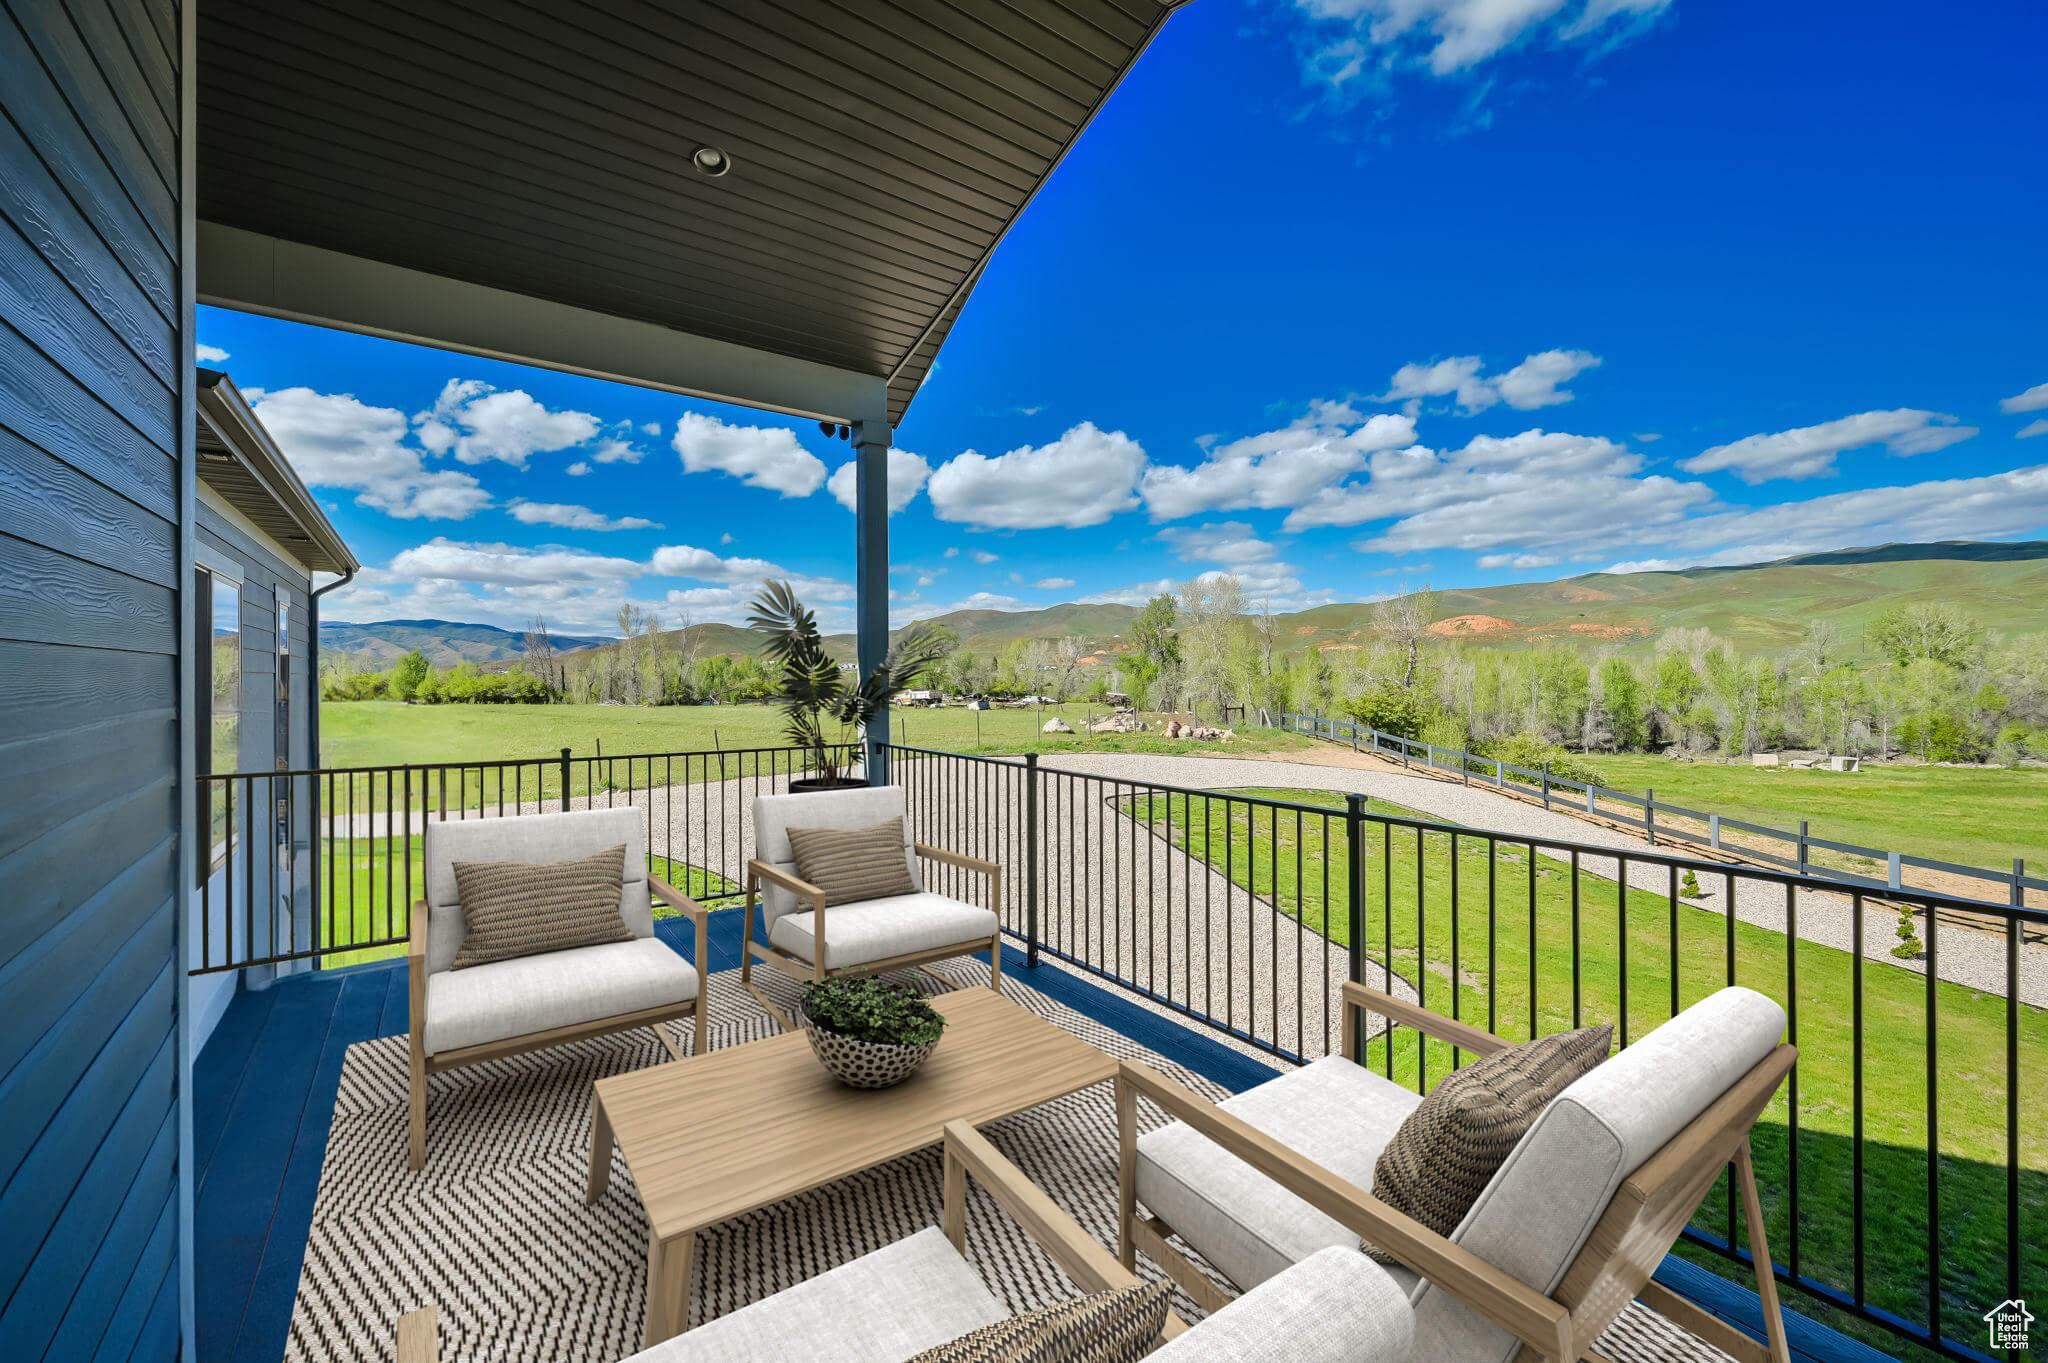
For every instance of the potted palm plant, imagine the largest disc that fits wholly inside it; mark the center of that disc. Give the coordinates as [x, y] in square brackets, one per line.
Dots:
[816, 692]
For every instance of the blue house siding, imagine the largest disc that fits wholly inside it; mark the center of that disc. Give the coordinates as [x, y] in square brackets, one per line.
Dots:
[92, 434]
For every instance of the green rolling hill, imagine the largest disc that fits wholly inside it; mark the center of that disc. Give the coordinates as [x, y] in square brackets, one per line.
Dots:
[1761, 608]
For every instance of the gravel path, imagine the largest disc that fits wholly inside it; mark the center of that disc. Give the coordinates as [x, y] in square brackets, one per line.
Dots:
[1966, 956]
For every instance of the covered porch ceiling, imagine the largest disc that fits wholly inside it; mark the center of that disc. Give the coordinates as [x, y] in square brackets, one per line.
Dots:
[521, 180]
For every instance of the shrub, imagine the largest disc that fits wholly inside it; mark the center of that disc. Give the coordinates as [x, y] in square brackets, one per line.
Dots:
[1535, 753]
[407, 674]
[1390, 709]
[1445, 731]
[1909, 937]
[873, 1010]
[1689, 886]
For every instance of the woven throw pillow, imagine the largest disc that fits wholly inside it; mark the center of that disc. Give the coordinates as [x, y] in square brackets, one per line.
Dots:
[1118, 1326]
[851, 864]
[1450, 1147]
[521, 908]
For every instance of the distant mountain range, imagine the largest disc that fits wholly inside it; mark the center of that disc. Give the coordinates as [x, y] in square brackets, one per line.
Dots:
[445, 642]
[1760, 607]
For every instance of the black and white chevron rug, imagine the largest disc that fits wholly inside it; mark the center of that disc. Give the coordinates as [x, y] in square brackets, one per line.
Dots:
[495, 1233]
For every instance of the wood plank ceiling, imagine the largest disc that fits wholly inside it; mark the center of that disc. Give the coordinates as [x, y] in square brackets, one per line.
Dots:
[879, 150]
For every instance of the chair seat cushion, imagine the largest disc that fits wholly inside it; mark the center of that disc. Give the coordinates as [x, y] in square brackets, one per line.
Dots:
[883, 1307]
[876, 929]
[1336, 1306]
[1336, 1113]
[528, 994]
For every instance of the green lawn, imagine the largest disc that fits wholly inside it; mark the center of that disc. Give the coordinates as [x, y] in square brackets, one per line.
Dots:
[388, 733]
[1654, 940]
[372, 888]
[1975, 816]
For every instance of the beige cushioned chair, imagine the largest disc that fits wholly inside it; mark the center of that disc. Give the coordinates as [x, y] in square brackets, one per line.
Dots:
[1570, 1228]
[483, 1012]
[1336, 1306]
[869, 935]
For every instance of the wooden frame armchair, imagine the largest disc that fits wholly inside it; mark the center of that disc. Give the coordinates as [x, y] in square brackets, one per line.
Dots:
[810, 940]
[1338, 1307]
[487, 1012]
[1461, 1294]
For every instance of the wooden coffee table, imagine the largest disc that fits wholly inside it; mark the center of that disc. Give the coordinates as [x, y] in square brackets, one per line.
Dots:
[710, 1137]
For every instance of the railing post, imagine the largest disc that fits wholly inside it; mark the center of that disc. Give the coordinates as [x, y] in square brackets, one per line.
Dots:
[1895, 871]
[565, 780]
[1714, 832]
[1354, 857]
[1650, 814]
[1802, 848]
[1500, 774]
[1031, 859]
[1546, 785]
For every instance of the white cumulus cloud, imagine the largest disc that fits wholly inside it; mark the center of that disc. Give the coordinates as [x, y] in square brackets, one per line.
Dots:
[766, 457]
[1276, 469]
[478, 424]
[2033, 428]
[571, 517]
[1081, 479]
[907, 474]
[1809, 451]
[1537, 381]
[2033, 400]
[1053, 584]
[509, 564]
[335, 440]
[1447, 37]
[209, 354]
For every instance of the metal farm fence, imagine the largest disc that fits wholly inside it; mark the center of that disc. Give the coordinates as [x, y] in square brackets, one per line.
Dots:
[1661, 821]
[1902, 1176]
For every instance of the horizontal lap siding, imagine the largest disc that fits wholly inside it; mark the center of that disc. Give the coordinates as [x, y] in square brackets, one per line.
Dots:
[89, 601]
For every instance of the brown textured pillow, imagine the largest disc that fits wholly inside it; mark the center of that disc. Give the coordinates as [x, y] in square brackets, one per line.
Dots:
[851, 864]
[1118, 1326]
[1444, 1155]
[521, 908]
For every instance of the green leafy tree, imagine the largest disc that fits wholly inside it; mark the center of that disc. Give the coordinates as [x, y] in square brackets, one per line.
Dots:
[407, 674]
[1932, 630]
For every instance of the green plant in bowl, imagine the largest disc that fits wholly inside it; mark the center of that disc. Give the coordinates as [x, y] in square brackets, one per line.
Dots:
[869, 1033]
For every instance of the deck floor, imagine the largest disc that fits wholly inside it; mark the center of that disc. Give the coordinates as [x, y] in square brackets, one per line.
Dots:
[264, 1096]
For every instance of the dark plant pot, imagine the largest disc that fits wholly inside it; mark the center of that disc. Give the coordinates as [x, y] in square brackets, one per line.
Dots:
[812, 784]
[864, 1064]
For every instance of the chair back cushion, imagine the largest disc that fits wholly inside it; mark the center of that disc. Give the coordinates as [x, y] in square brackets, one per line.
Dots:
[541, 838]
[775, 815]
[520, 908]
[1540, 1208]
[1118, 1326]
[1442, 1157]
[852, 864]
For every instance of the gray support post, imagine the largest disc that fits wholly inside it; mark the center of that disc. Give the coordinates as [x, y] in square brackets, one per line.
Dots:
[1714, 831]
[871, 575]
[1500, 774]
[1802, 846]
[1894, 871]
[1031, 859]
[1354, 853]
[1546, 785]
[1650, 814]
[565, 786]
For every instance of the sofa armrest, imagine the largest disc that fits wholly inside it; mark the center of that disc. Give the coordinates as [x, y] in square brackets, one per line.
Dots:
[419, 1336]
[802, 889]
[960, 859]
[1360, 999]
[1538, 1321]
[1093, 1268]
[416, 972]
[1336, 1306]
[690, 909]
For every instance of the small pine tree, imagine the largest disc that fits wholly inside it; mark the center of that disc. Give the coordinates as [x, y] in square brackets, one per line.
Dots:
[1909, 937]
[1690, 887]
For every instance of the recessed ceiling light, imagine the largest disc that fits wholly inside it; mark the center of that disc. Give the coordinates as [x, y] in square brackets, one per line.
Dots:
[711, 161]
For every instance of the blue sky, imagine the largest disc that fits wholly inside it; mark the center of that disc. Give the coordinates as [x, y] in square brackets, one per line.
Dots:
[1338, 296]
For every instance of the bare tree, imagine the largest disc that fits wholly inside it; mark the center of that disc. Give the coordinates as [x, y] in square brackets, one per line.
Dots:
[541, 660]
[1403, 622]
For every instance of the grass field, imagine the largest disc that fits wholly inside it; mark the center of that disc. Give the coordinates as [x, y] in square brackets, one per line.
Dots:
[1515, 975]
[389, 733]
[1975, 816]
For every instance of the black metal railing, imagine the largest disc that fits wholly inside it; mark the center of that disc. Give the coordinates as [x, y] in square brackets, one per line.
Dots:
[324, 865]
[1902, 1178]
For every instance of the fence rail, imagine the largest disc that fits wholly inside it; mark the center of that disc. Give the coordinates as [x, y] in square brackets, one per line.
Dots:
[324, 865]
[1900, 1177]
[1789, 849]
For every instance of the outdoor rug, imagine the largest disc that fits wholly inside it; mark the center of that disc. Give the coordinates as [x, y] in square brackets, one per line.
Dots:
[495, 1233]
